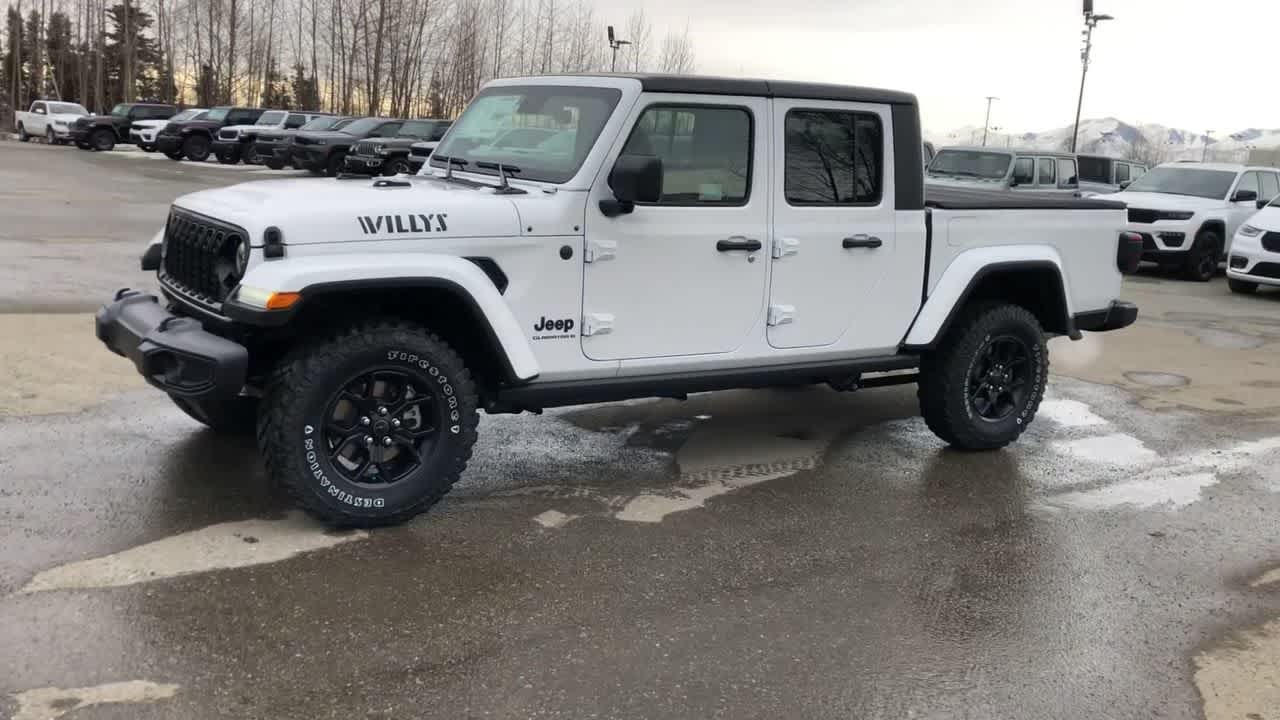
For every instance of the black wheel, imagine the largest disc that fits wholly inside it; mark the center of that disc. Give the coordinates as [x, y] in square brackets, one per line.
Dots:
[275, 164]
[981, 386]
[251, 156]
[173, 154]
[398, 167]
[236, 415]
[103, 140]
[1242, 287]
[369, 427]
[22, 134]
[49, 137]
[228, 159]
[196, 147]
[337, 162]
[1202, 261]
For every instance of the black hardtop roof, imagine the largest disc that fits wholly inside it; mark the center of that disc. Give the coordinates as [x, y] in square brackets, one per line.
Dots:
[710, 85]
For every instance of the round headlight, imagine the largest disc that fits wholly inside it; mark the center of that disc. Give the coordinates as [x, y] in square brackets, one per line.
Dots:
[242, 258]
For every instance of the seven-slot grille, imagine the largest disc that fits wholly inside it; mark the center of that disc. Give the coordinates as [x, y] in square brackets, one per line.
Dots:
[228, 135]
[364, 148]
[1271, 241]
[1138, 215]
[199, 256]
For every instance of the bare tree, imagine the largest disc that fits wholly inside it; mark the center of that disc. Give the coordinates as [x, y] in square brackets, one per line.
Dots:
[677, 53]
[640, 34]
[1144, 151]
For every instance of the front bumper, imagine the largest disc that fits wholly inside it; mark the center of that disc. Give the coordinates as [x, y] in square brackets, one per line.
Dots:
[1163, 238]
[1119, 314]
[370, 164]
[141, 137]
[226, 148]
[1250, 262]
[79, 135]
[173, 353]
[310, 157]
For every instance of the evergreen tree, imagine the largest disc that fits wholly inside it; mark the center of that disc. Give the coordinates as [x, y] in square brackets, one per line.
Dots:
[146, 54]
[275, 92]
[62, 58]
[306, 90]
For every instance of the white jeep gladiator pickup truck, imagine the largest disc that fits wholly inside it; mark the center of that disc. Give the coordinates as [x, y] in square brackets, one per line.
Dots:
[681, 235]
[48, 119]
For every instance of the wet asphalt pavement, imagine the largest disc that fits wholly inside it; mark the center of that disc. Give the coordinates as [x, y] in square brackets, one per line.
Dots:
[797, 553]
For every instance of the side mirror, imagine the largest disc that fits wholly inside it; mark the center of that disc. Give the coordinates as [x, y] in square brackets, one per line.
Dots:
[1245, 196]
[634, 179]
[1013, 182]
[1125, 185]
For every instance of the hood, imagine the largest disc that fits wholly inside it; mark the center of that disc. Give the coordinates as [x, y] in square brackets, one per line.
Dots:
[150, 123]
[65, 117]
[332, 135]
[310, 211]
[964, 182]
[87, 119]
[194, 124]
[1268, 218]
[1165, 201]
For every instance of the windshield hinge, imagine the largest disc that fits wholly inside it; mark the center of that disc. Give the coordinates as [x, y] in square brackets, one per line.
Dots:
[598, 250]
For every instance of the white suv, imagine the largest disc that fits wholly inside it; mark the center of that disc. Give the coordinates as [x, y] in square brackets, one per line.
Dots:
[1186, 211]
[1255, 251]
[143, 132]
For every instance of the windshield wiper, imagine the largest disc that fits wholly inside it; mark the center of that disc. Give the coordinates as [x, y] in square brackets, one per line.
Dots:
[449, 162]
[503, 170]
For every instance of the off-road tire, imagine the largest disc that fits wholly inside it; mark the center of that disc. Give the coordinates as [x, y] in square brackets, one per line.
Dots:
[944, 388]
[103, 140]
[273, 164]
[1242, 287]
[237, 415]
[299, 392]
[228, 159]
[1202, 260]
[337, 164]
[49, 137]
[398, 167]
[22, 134]
[196, 148]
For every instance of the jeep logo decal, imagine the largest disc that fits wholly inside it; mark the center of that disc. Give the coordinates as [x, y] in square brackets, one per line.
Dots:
[403, 224]
[548, 329]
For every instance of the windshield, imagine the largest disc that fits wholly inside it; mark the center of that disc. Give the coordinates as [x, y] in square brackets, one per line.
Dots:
[218, 114]
[363, 126]
[186, 115]
[327, 122]
[1196, 182]
[274, 117]
[69, 108]
[416, 129]
[120, 110]
[971, 163]
[545, 131]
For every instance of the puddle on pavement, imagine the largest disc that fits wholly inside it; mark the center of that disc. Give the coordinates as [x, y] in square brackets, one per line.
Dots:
[1226, 339]
[52, 702]
[1069, 413]
[1158, 379]
[1114, 449]
[216, 547]
[1239, 678]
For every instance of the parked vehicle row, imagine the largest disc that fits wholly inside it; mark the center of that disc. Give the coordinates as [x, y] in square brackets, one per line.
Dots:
[1254, 256]
[236, 142]
[1031, 170]
[143, 132]
[103, 132]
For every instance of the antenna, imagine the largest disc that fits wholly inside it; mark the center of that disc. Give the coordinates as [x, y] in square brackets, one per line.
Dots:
[611, 40]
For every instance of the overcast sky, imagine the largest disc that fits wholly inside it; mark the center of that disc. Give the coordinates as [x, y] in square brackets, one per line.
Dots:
[1192, 65]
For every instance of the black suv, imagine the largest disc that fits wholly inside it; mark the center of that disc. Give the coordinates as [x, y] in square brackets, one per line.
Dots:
[324, 153]
[275, 147]
[102, 132]
[194, 138]
[390, 156]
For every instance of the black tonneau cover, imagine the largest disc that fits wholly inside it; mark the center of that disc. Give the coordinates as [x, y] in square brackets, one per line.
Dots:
[954, 198]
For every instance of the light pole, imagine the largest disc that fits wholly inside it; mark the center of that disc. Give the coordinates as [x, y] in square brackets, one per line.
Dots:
[1090, 22]
[987, 123]
[615, 43]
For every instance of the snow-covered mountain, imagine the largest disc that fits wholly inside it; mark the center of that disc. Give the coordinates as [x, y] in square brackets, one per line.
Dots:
[1109, 136]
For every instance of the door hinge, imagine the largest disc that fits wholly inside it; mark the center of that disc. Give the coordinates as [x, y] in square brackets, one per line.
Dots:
[783, 247]
[597, 324]
[781, 314]
[598, 250]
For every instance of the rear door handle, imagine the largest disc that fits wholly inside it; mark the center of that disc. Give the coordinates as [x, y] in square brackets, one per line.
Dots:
[862, 241]
[739, 243]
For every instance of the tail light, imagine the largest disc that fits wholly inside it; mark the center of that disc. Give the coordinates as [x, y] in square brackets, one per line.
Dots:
[1129, 252]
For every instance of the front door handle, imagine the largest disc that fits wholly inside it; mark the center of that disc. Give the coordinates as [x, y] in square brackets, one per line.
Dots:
[739, 243]
[862, 241]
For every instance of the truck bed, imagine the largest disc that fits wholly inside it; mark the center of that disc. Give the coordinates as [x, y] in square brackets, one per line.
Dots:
[953, 198]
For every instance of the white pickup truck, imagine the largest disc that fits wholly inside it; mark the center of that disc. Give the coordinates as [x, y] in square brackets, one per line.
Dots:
[679, 235]
[48, 119]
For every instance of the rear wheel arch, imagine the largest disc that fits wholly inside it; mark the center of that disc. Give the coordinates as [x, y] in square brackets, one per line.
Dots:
[1036, 285]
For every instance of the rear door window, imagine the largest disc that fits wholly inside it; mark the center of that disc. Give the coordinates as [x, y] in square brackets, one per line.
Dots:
[1024, 171]
[1048, 176]
[1067, 173]
[1122, 172]
[1270, 186]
